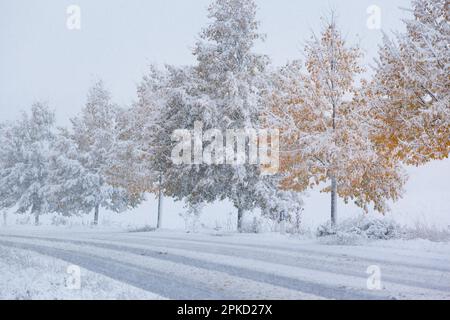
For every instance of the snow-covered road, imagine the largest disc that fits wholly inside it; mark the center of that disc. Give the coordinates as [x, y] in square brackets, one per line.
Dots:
[209, 266]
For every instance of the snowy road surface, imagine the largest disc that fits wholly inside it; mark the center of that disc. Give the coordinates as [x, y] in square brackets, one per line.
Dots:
[207, 266]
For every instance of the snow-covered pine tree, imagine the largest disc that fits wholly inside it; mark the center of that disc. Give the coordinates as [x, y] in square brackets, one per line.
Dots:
[66, 173]
[223, 91]
[84, 156]
[226, 94]
[231, 75]
[326, 127]
[144, 146]
[130, 168]
[410, 93]
[24, 159]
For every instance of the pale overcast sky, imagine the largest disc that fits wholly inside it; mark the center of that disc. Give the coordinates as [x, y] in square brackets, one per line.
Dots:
[40, 59]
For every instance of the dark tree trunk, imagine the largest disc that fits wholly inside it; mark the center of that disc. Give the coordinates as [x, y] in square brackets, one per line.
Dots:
[97, 207]
[239, 219]
[36, 218]
[333, 201]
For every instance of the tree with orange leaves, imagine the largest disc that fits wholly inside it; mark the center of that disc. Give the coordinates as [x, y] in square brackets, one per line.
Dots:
[326, 127]
[410, 92]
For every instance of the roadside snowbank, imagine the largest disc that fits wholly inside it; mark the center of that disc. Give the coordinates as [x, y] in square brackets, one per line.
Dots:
[364, 229]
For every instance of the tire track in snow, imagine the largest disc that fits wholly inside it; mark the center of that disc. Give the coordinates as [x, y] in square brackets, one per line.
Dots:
[352, 266]
[328, 250]
[160, 283]
[202, 263]
[289, 282]
[230, 287]
[307, 287]
[412, 276]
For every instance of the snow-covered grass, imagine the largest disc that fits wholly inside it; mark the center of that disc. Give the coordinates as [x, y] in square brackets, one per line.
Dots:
[142, 229]
[426, 231]
[362, 229]
[31, 276]
[352, 231]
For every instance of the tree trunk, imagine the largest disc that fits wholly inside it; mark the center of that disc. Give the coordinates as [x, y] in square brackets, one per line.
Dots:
[96, 215]
[333, 201]
[239, 219]
[36, 218]
[333, 178]
[5, 219]
[160, 203]
[282, 223]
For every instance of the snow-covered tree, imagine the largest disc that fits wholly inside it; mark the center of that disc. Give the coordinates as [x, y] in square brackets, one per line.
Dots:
[326, 127]
[66, 173]
[230, 76]
[82, 164]
[410, 93]
[144, 146]
[24, 162]
[221, 92]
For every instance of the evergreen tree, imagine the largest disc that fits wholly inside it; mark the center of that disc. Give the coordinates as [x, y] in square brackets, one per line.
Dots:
[84, 160]
[24, 162]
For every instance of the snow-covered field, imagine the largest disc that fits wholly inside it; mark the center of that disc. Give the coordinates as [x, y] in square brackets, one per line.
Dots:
[177, 265]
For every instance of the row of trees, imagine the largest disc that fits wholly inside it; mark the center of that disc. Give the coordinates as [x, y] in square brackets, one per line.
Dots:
[66, 170]
[334, 126]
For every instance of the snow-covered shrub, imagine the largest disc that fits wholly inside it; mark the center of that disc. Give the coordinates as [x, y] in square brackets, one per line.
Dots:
[358, 229]
[355, 229]
[59, 220]
[146, 228]
[425, 231]
[344, 239]
[253, 226]
[295, 223]
[325, 230]
[381, 229]
[23, 219]
[191, 216]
